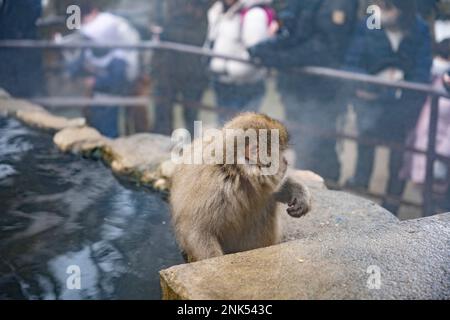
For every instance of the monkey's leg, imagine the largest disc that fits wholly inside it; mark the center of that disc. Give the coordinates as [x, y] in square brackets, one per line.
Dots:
[203, 246]
[296, 196]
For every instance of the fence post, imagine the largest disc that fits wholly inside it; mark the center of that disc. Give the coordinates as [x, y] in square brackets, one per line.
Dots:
[428, 208]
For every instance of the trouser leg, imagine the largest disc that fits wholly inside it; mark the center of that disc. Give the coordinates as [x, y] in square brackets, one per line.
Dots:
[369, 127]
[192, 97]
[396, 185]
[164, 102]
[324, 152]
[447, 196]
[105, 120]
[364, 166]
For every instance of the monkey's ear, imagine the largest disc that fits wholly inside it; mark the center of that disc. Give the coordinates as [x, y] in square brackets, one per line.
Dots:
[285, 138]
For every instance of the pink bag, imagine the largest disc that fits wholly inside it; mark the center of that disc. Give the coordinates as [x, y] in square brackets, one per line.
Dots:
[271, 14]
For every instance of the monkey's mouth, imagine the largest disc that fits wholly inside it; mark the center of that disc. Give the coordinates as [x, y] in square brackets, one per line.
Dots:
[259, 164]
[268, 165]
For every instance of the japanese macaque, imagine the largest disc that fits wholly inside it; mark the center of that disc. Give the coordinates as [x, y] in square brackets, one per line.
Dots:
[223, 208]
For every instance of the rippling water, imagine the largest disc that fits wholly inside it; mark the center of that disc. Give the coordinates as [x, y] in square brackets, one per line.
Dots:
[59, 210]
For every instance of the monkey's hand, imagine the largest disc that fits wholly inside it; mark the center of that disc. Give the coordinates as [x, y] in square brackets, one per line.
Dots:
[298, 207]
[296, 196]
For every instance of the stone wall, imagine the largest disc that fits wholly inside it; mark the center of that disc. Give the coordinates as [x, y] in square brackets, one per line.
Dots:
[352, 250]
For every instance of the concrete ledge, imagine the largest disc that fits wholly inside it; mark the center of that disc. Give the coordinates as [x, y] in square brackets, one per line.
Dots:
[413, 258]
[332, 212]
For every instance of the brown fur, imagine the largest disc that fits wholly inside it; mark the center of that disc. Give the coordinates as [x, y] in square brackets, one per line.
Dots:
[222, 209]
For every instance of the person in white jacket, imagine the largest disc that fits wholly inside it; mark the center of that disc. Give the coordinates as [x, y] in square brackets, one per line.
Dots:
[235, 26]
[106, 73]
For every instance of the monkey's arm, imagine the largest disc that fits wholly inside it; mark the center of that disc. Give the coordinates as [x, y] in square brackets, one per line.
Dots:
[296, 196]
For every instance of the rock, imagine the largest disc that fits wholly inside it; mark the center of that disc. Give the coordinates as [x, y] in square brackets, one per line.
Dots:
[331, 211]
[139, 153]
[334, 211]
[161, 184]
[12, 106]
[37, 116]
[412, 258]
[143, 157]
[167, 169]
[79, 140]
[45, 120]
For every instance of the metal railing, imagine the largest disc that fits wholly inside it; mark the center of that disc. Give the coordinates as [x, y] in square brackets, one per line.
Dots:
[156, 44]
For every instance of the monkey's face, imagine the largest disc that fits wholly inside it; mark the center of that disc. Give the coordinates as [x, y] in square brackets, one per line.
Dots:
[260, 122]
[257, 144]
[272, 173]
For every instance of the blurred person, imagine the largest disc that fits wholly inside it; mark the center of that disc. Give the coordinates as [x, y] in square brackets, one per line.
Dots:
[106, 73]
[235, 26]
[21, 72]
[446, 81]
[441, 81]
[180, 77]
[427, 8]
[400, 50]
[311, 33]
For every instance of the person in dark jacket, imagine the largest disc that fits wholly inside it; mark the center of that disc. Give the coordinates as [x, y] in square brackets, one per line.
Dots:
[427, 8]
[400, 50]
[21, 71]
[180, 77]
[312, 33]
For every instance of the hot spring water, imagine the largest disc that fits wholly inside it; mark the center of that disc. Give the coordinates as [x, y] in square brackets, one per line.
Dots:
[59, 210]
